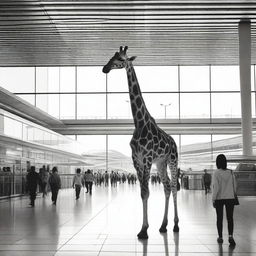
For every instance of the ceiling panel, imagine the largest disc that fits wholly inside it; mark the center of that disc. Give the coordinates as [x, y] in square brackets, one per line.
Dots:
[185, 32]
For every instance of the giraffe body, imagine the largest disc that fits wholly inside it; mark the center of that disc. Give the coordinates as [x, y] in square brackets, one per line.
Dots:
[149, 144]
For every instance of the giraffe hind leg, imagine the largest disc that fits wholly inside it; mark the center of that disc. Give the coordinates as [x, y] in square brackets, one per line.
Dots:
[162, 169]
[174, 181]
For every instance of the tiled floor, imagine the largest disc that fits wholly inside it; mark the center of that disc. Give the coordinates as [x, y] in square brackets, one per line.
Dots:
[106, 224]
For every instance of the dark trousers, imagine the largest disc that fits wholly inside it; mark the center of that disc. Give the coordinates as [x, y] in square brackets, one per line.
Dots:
[207, 187]
[78, 189]
[44, 188]
[229, 205]
[32, 194]
[55, 191]
[90, 187]
[86, 186]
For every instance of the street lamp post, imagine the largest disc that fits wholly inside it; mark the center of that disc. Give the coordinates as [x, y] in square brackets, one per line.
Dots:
[165, 106]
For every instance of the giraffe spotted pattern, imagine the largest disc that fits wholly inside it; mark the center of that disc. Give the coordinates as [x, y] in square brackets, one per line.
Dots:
[149, 144]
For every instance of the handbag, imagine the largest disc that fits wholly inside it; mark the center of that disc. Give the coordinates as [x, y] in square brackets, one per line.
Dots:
[236, 201]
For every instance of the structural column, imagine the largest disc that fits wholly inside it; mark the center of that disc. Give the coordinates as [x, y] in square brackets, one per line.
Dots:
[245, 84]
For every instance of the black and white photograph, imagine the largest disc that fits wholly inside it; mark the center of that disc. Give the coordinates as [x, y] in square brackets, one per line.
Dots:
[127, 128]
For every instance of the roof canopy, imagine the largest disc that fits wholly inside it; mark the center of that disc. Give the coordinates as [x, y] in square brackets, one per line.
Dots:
[82, 32]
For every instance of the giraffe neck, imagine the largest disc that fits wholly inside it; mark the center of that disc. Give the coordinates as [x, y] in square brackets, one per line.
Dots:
[139, 109]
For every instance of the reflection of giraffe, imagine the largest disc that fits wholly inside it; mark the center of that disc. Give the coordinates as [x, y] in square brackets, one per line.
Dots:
[149, 144]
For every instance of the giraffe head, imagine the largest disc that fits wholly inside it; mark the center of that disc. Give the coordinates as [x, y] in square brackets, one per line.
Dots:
[118, 61]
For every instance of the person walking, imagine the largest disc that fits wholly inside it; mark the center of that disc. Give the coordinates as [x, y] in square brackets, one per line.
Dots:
[78, 182]
[106, 178]
[44, 176]
[55, 184]
[207, 179]
[86, 184]
[90, 179]
[32, 182]
[223, 194]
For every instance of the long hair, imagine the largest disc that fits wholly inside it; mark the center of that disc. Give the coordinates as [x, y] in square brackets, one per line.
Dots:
[221, 162]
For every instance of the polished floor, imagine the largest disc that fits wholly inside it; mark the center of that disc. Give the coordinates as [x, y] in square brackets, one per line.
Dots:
[106, 224]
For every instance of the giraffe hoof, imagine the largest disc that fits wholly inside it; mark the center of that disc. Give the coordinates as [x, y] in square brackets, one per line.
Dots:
[163, 230]
[176, 229]
[142, 235]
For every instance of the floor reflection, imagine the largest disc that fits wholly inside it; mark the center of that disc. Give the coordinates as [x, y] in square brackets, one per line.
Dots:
[106, 224]
[176, 242]
[231, 249]
[145, 246]
[174, 251]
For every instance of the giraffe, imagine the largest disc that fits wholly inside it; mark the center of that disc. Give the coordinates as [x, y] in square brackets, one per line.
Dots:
[149, 144]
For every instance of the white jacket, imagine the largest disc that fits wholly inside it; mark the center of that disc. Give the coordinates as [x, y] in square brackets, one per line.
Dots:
[223, 185]
[78, 179]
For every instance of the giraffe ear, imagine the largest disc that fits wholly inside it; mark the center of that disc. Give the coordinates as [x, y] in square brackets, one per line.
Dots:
[132, 58]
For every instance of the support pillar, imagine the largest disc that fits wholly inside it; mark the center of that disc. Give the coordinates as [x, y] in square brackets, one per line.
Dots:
[245, 84]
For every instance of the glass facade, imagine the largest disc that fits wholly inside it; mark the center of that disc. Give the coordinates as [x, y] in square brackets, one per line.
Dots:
[21, 129]
[24, 143]
[170, 92]
[23, 81]
[196, 152]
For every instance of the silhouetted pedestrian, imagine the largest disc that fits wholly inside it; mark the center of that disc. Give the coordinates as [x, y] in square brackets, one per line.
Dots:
[86, 184]
[90, 179]
[55, 184]
[32, 182]
[106, 178]
[44, 177]
[207, 179]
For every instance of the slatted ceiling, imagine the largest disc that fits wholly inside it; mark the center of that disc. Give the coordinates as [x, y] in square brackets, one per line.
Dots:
[185, 32]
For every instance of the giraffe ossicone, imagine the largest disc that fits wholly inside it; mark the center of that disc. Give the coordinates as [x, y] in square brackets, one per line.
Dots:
[149, 144]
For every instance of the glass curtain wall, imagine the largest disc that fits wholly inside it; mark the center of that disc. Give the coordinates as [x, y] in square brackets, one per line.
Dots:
[169, 91]
[176, 92]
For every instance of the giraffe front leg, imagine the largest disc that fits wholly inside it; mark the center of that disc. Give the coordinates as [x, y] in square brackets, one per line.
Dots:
[167, 192]
[176, 218]
[143, 234]
[174, 182]
[163, 228]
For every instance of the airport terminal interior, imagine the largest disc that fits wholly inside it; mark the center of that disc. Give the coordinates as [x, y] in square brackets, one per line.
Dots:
[92, 89]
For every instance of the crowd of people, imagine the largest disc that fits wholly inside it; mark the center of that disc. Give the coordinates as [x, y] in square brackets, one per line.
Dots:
[49, 180]
[155, 178]
[113, 178]
[83, 180]
[43, 179]
[223, 187]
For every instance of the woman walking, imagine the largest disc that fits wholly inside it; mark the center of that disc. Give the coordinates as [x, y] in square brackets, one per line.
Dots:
[78, 182]
[224, 191]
